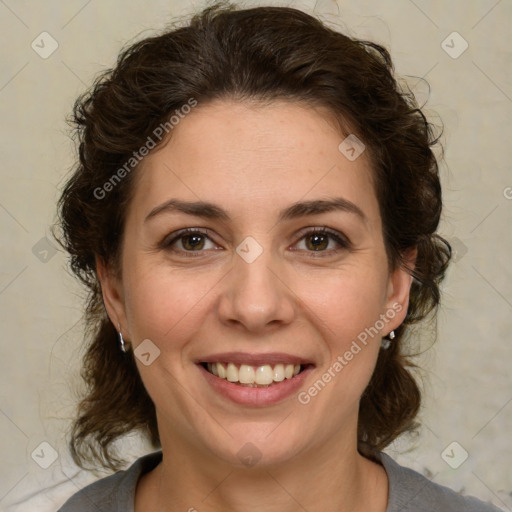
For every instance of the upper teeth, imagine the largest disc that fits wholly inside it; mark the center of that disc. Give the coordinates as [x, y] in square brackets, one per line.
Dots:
[246, 374]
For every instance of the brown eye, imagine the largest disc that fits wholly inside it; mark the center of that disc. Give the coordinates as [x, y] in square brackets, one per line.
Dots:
[320, 239]
[190, 240]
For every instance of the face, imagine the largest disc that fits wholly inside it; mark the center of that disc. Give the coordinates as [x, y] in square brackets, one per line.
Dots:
[258, 284]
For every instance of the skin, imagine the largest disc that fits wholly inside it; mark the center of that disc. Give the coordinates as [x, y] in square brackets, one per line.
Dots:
[254, 161]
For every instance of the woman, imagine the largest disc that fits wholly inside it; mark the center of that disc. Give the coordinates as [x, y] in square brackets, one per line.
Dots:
[254, 211]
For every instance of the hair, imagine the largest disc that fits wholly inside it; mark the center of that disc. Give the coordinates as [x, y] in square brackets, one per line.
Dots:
[260, 54]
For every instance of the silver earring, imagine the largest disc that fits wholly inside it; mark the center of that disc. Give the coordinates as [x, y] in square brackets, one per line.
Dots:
[122, 343]
[386, 342]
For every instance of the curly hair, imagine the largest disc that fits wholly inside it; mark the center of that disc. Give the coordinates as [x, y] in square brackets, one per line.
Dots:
[255, 54]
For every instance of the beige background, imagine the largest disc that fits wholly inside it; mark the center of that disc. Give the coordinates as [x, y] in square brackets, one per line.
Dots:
[468, 378]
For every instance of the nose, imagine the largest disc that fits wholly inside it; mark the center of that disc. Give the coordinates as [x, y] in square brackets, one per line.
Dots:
[255, 296]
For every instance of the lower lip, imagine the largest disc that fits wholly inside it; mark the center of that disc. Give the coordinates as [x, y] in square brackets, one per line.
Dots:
[256, 396]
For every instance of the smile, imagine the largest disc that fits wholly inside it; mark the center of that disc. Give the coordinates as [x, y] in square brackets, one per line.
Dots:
[255, 380]
[253, 376]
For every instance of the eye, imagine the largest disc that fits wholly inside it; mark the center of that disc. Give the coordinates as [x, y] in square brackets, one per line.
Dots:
[317, 240]
[191, 240]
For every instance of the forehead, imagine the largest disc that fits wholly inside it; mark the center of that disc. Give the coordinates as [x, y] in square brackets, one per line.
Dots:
[254, 158]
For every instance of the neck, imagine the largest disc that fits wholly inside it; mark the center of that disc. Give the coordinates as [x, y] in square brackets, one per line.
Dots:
[333, 477]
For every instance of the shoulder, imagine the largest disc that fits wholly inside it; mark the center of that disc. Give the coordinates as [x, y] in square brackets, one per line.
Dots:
[114, 493]
[410, 491]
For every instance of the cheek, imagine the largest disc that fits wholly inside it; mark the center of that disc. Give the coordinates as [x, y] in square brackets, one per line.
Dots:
[164, 304]
[346, 309]
[344, 303]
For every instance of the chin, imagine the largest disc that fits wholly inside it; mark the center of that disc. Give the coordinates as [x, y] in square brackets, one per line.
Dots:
[250, 447]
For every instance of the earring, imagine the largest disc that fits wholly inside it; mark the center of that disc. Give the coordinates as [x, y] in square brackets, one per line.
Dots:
[386, 342]
[121, 342]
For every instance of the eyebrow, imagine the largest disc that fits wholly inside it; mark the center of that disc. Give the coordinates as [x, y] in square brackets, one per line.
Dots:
[208, 210]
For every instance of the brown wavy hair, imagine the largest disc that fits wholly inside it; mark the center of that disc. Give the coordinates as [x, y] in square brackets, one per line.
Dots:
[257, 54]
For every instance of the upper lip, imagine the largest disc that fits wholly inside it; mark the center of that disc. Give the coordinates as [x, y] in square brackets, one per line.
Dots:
[252, 359]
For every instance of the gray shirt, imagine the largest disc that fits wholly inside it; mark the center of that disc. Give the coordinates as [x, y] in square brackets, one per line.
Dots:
[408, 491]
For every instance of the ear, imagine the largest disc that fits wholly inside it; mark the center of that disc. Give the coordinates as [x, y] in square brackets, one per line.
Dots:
[113, 295]
[399, 287]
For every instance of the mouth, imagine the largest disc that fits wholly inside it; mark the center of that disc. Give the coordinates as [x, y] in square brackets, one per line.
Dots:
[254, 376]
[255, 380]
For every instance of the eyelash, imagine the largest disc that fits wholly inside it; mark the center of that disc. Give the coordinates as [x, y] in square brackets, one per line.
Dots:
[334, 235]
